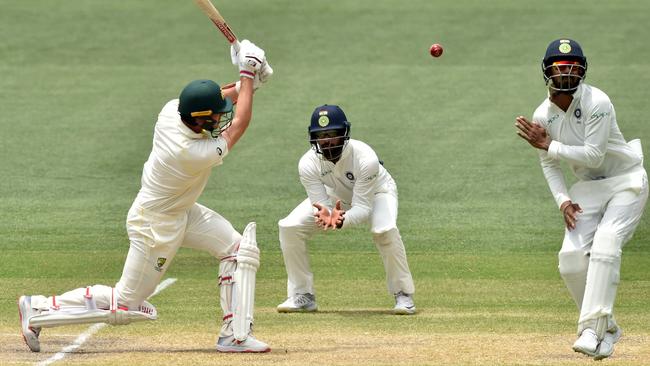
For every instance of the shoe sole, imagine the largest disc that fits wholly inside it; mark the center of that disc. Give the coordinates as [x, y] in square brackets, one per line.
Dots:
[599, 357]
[584, 352]
[232, 349]
[22, 331]
[404, 311]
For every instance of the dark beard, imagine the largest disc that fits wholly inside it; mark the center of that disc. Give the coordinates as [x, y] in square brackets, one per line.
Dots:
[566, 82]
[556, 93]
[333, 154]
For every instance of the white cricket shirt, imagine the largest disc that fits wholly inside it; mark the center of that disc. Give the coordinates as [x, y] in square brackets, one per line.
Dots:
[354, 180]
[179, 165]
[586, 137]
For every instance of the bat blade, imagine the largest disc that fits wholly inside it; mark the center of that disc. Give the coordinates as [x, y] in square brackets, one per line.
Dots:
[217, 19]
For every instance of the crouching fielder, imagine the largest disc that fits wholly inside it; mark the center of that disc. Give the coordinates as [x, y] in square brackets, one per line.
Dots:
[340, 173]
[577, 124]
[193, 134]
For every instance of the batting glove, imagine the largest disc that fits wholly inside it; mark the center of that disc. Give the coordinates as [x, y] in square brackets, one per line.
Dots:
[266, 72]
[250, 59]
[260, 77]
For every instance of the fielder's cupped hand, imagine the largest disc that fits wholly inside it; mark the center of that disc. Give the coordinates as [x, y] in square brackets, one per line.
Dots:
[533, 133]
[326, 219]
[570, 212]
[338, 216]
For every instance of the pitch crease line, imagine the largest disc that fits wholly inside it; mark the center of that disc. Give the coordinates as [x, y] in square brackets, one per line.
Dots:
[83, 337]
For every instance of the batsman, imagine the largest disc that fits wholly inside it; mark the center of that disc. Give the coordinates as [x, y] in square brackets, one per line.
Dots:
[193, 134]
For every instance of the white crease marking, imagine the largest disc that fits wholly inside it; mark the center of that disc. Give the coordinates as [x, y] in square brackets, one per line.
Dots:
[83, 337]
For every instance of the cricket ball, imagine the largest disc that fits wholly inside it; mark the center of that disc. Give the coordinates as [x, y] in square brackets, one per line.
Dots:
[435, 50]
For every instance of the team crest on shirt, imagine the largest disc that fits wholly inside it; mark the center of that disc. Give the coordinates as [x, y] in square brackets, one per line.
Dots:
[160, 263]
[578, 113]
[219, 151]
[350, 176]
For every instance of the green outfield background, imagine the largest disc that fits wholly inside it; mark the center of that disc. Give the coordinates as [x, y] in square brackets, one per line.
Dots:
[81, 83]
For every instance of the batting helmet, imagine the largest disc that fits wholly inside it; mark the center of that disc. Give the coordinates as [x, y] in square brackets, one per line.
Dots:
[564, 52]
[329, 118]
[202, 98]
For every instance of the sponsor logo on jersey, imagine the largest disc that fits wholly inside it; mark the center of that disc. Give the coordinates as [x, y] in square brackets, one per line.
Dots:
[219, 151]
[368, 179]
[160, 263]
[552, 119]
[600, 115]
[325, 172]
[350, 176]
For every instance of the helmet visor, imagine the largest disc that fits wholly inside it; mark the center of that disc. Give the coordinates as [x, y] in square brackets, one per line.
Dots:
[564, 76]
[219, 124]
[329, 143]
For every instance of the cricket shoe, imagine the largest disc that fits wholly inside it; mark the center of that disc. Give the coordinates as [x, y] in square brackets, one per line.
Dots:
[299, 303]
[250, 345]
[587, 343]
[30, 334]
[404, 304]
[606, 346]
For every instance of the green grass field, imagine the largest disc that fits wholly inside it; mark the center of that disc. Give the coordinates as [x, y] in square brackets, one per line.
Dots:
[82, 82]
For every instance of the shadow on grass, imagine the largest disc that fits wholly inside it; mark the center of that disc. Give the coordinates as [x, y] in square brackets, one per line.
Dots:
[357, 312]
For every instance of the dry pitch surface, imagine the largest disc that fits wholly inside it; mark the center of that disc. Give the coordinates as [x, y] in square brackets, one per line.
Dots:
[150, 345]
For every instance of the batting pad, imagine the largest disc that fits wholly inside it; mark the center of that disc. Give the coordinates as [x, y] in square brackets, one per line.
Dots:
[248, 261]
[58, 318]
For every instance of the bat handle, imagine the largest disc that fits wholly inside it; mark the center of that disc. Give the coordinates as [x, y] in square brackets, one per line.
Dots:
[236, 45]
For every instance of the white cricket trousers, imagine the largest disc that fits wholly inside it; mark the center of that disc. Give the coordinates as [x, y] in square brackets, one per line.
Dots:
[155, 240]
[299, 226]
[590, 258]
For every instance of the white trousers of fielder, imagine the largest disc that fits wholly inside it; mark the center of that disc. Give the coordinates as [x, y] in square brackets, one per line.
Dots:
[299, 226]
[590, 258]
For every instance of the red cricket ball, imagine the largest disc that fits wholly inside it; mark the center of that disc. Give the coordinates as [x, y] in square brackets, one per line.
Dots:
[435, 50]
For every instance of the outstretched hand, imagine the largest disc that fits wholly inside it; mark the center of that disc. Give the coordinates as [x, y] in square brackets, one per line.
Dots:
[326, 219]
[535, 134]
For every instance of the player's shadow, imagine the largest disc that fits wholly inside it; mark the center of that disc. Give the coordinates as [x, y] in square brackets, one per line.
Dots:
[357, 312]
